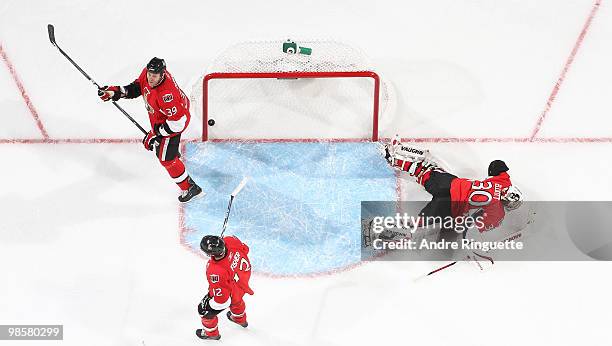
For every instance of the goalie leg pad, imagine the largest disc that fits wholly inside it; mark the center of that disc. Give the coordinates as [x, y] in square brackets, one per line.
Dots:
[416, 162]
[420, 170]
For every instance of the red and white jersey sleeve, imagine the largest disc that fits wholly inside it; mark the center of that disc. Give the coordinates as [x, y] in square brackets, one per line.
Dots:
[467, 195]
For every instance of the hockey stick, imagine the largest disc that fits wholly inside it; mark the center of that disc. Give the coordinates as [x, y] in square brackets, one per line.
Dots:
[442, 267]
[51, 30]
[229, 206]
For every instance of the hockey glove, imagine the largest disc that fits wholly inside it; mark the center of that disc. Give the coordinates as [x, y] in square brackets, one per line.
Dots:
[151, 140]
[205, 310]
[110, 93]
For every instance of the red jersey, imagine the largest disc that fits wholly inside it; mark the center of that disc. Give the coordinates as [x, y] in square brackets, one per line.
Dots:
[166, 103]
[230, 274]
[469, 194]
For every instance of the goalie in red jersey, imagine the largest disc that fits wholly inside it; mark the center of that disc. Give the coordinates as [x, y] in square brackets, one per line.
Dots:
[455, 197]
[168, 109]
[228, 272]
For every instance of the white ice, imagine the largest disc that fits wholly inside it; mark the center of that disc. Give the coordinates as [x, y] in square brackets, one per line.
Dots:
[89, 232]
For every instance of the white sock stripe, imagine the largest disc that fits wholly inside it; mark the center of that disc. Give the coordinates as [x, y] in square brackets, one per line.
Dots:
[237, 315]
[210, 329]
[181, 177]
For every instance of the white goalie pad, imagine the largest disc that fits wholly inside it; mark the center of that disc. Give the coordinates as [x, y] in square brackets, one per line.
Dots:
[407, 152]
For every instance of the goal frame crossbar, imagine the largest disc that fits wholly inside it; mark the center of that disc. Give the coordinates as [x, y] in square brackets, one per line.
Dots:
[291, 75]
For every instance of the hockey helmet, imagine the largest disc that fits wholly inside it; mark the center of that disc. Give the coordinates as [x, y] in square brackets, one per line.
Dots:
[156, 65]
[496, 167]
[213, 246]
[511, 198]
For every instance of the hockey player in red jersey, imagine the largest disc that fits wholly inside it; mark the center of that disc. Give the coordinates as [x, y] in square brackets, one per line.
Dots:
[453, 196]
[168, 109]
[228, 272]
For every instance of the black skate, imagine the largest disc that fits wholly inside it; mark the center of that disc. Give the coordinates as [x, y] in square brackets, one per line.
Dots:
[193, 191]
[243, 325]
[202, 335]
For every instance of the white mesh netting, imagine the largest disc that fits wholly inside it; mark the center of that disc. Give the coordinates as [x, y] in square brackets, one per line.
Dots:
[277, 108]
[268, 56]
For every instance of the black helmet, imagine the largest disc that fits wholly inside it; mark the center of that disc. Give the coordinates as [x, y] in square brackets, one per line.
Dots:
[213, 246]
[496, 167]
[156, 65]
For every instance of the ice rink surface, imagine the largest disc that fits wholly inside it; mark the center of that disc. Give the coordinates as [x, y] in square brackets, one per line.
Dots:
[300, 206]
[90, 234]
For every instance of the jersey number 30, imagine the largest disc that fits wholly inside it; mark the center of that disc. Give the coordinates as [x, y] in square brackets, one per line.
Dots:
[480, 189]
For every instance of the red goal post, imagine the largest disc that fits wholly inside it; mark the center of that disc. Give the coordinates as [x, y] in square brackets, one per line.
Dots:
[292, 75]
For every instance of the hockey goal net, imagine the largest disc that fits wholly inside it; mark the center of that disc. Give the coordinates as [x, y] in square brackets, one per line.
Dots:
[258, 90]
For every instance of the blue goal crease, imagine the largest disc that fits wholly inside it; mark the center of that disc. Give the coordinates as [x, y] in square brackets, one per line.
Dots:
[300, 210]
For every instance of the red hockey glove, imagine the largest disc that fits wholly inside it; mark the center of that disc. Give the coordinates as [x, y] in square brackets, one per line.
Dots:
[110, 93]
[150, 140]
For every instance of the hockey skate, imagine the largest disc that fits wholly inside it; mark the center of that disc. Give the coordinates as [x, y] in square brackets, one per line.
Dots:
[193, 191]
[243, 324]
[202, 335]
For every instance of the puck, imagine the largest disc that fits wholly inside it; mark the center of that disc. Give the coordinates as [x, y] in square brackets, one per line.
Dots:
[211, 122]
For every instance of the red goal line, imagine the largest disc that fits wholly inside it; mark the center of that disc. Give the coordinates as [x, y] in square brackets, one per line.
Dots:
[314, 140]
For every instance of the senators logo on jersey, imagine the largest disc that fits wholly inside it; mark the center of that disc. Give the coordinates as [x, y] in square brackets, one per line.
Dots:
[214, 278]
[168, 98]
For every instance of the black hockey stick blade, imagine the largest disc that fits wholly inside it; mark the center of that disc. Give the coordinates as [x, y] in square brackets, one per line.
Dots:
[51, 30]
[441, 268]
